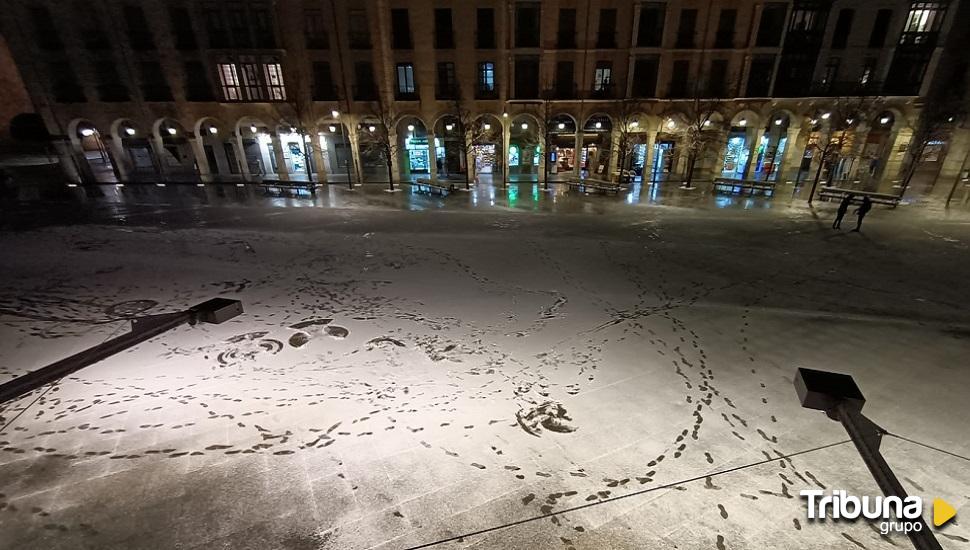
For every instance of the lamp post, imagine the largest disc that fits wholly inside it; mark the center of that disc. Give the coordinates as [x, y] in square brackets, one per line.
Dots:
[840, 398]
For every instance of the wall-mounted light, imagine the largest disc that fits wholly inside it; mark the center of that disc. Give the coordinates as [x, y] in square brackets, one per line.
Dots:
[825, 116]
[252, 128]
[213, 130]
[371, 128]
[778, 121]
[292, 130]
[87, 132]
[525, 125]
[130, 131]
[171, 131]
[707, 123]
[949, 119]
[561, 125]
[813, 122]
[634, 124]
[849, 120]
[449, 127]
[884, 120]
[410, 127]
[335, 113]
[671, 124]
[505, 115]
[743, 122]
[487, 126]
[598, 125]
[332, 128]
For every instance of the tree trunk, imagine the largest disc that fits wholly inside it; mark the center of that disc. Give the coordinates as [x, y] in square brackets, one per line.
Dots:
[691, 160]
[390, 176]
[818, 174]
[307, 157]
[911, 169]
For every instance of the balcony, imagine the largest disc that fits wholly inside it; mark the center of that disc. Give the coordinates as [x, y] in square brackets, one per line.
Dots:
[485, 41]
[365, 93]
[922, 39]
[724, 40]
[566, 41]
[605, 91]
[444, 41]
[606, 41]
[562, 90]
[484, 92]
[325, 93]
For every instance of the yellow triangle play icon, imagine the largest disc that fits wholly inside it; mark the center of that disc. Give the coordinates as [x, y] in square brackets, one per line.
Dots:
[942, 512]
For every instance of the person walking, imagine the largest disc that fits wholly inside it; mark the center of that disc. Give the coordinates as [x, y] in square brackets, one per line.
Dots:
[864, 209]
[843, 208]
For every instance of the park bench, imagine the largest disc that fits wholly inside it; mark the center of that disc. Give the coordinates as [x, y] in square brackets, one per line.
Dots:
[275, 187]
[744, 187]
[587, 186]
[427, 186]
[838, 193]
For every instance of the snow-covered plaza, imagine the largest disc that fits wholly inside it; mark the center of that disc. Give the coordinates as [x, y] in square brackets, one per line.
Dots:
[421, 372]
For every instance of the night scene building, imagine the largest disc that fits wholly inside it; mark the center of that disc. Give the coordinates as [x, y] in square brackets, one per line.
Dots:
[332, 90]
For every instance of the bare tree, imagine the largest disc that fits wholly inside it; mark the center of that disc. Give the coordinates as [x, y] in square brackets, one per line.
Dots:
[296, 110]
[937, 121]
[629, 133]
[842, 117]
[466, 132]
[700, 132]
[377, 137]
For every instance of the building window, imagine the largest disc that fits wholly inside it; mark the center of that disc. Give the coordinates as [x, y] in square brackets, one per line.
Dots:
[274, 81]
[181, 23]
[566, 35]
[323, 89]
[565, 83]
[485, 29]
[405, 80]
[486, 79]
[197, 86]
[364, 78]
[446, 81]
[215, 25]
[444, 36]
[880, 28]
[229, 81]
[64, 84]
[771, 25]
[686, 27]
[89, 22]
[843, 26]
[868, 68]
[110, 88]
[527, 25]
[139, 34]
[249, 70]
[717, 78]
[526, 77]
[924, 17]
[678, 80]
[606, 35]
[760, 76]
[47, 36]
[831, 73]
[651, 27]
[400, 29]
[154, 85]
[260, 21]
[359, 29]
[645, 77]
[725, 29]
[603, 76]
[314, 30]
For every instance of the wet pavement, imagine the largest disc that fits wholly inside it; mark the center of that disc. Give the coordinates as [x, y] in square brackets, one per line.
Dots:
[412, 369]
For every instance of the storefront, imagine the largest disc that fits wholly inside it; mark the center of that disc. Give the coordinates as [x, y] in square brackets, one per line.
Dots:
[735, 154]
[595, 156]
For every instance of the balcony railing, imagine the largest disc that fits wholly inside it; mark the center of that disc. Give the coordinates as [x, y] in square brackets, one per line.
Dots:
[605, 91]
[485, 41]
[566, 40]
[564, 90]
[606, 40]
[923, 39]
[484, 92]
[365, 93]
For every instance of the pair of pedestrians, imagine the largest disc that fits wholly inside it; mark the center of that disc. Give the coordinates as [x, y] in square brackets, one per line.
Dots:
[861, 212]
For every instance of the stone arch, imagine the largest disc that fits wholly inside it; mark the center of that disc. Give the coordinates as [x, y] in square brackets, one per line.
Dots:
[600, 116]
